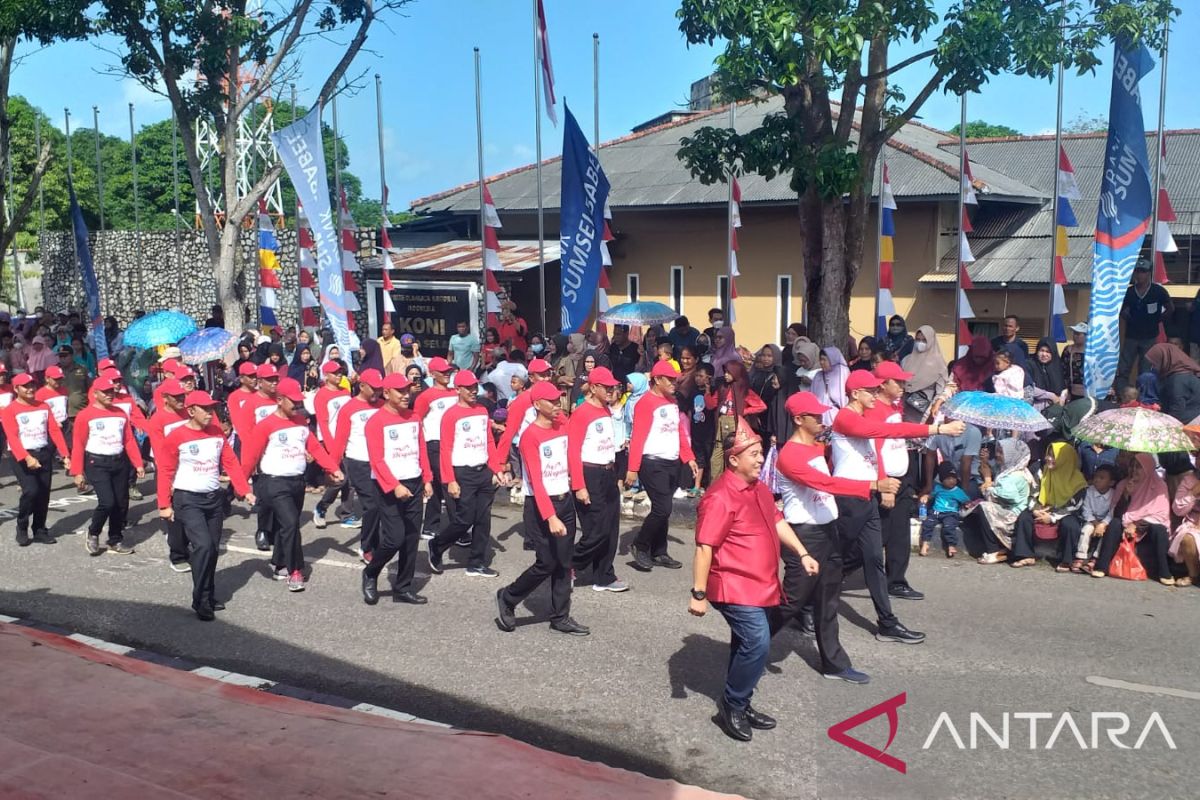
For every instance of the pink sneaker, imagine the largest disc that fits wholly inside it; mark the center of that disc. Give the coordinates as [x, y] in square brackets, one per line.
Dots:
[295, 581]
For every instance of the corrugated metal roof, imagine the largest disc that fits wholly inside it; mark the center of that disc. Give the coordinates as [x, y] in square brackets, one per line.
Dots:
[465, 256]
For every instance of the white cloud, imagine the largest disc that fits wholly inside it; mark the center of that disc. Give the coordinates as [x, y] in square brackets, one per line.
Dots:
[524, 152]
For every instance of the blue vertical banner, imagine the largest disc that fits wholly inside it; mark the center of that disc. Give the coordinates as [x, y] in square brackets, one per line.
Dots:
[300, 150]
[91, 287]
[581, 225]
[1126, 205]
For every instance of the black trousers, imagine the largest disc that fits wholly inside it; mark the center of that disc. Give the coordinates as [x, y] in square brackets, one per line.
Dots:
[399, 535]
[433, 506]
[177, 540]
[358, 473]
[599, 524]
[200, 515]
[472, 511]
[1151, 550]
[331, 494]
[823, 590]
[660, 479]
[1022, 536]
[35, 490]
[109, 476]
[860, 535]
[266, 517]
[896, 522]
[553, 561]
[1070, 528]
[284, 495]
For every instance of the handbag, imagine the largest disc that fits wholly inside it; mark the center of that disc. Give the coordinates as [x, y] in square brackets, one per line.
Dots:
[1125, 563]
[918, 401]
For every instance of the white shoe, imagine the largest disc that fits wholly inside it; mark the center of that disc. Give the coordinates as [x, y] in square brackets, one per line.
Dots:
[680, 494]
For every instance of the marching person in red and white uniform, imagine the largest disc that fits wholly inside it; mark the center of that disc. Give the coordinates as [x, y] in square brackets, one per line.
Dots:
[657, 445]
[189, 461]
[29, 428]
[280, 447]
[856, 456]
[592, 458]
[103, 449]
[431, 405]
[54, 395]
[396, 450]
[253, 410]
[327, 402]
[809, 507]
[169, 416]
[521, 412]
[247, 385]
[468, 466]
[544, 447]
[349, 448]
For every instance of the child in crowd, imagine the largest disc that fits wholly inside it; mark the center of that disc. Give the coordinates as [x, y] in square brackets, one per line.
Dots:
[666, 352]
[948, 499]
[1009, 379]
[1095, 514]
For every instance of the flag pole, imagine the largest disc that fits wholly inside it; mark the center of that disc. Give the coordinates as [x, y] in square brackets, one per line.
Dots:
[482, 202]
[1058, 131]
[1162, 110]
[596, 135]
[537, 116]
[175, 189]
[9, 213]
[729, 222]
[37, 139]
[299, 286]
[879, 226]
[962, 232]
[99, 168]
[383, 192]
[137, 217]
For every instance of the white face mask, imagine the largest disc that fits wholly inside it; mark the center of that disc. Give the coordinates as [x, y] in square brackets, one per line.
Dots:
[921, 347]
[718, 323]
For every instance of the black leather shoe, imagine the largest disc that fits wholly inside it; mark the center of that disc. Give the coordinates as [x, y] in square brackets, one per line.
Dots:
[435, 560]
[205, 614]
[807, 625]
[370, 592]
[570, 627]
[905, 592]
[412, 598]
[23, 539]
[899, 634]
[218, 605]
[666, 561]
[735, 724]
[758, 720]
[45, 537]
[506, 619]
[260, 541]
[641, 559]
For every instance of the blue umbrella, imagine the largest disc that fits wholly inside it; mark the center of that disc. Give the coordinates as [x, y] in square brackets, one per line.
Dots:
[161, 327]
[206, 344]
[640, 313]
[995, 411]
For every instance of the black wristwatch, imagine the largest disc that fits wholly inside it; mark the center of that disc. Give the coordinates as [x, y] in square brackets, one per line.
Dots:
[699, 594]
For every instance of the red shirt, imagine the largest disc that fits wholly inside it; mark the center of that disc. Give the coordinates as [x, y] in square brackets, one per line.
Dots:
[514, 332]
[737, 519]
[191, 460]
[656, 423]
[431, 405]
[103, 431]
[31, 427]
[352, 420]
[544, 455]
[237, 398]
[162, 422]
[283, 445]
[467, 441]
[326, 404]
[248, 414]
[512, 428]
[57, 399]
[592, 440]
[396, 447]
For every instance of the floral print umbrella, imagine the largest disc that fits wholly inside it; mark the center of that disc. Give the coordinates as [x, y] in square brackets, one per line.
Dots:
[995, 411]
[1138, 430]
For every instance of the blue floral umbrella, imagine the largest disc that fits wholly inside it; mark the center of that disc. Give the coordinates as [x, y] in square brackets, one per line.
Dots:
[640, 313]
[206, 344]
[995, 411]
[159, 328]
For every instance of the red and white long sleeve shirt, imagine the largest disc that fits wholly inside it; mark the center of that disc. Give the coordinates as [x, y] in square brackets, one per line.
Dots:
[467, 441]
[546, 473]
[327, 403]
[102, 432]
[657, 432]
[431, 405]
[592, 438]
[56, 399]
[280, 447]
[235, 403]
[521, 414]
[132, 410]
[855, 453]
[162, 422]
[190, 460]
[807, 488]
[893, 452]
[31, 427]
[6, 395]
[396, 448]
[350, 441]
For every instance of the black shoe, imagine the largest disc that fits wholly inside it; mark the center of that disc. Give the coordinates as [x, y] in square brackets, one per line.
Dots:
[412, 598]
[261, 541]
[217, 605]
[666, 561]
[529, 546]
[205, 614]
[570, 627]
[370, 593]
[807, 624]
[23, 539]
[45, 537]
[463, 542]
[905, 592]
[641, 559]
[735, 724]
[506, 619]
[899, 634]
[758, 720]
[435, 560]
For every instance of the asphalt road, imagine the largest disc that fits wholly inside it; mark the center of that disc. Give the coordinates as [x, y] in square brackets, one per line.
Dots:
[640, 692]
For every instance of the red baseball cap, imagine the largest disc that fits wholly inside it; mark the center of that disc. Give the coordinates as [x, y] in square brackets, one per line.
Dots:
[198, 398]
[182, 373]
[105, 363]
[805, 403]
[539, 365]
[172, 387]
[439, 364]
[397, 380]
[3, 369]
[247, 369]
[890, 370]
[103, 384]
[861, 379]
[112, 373]
[22, 379]
[266, 372]
[664, 369]
[330, 367]
[290, 388]
[464, 379]
[371, 377]
[602, 376]
[169, 364]
[545, 390]
[54, 371]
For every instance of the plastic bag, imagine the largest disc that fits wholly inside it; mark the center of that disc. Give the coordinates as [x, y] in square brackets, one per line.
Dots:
[1125, 563]
[767, 475]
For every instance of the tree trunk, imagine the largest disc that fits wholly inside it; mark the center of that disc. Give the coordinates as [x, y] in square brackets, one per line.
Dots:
[830, 269]
[225, 268]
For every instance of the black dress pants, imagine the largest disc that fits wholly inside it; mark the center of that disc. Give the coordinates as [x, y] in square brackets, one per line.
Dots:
[200, 515]
[554, 554]
[1151, 549]
[599, 524]
[896, 523]
[399, 535]
[860, 535]
[1070, 528]
[471, 511]
[823, 590]
[433, 506]
[35, 490]
[284, 495]
[266, 517]
[660, 479]
[358, 473]
[109, 476]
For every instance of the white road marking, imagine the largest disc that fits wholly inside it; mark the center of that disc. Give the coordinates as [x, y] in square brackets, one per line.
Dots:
[1113, 683]
[330, 562]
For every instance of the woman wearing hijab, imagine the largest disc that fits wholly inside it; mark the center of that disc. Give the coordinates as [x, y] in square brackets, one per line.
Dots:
[372, 356]
[83, 356]
[724, 350]
[1144, 508]
[929, 376]
[1049, 379]
[1060, 496]
[973, 372]
[570, 366]
[733, 399]
[300, 363]
[829, 385]
[898, 343]
[1004, 517]
[41, 356]
[1178, 381]
[867, 348]
[806, 363]
[765, 380]
[1184, 546]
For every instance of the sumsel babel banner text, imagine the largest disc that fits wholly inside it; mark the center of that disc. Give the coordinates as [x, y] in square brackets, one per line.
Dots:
[584, 192]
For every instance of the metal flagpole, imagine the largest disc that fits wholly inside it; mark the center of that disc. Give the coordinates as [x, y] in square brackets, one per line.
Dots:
[482, 209]
[299, 288]
[137, 218]
[962, 233]
[1162, 110]
[99, 168]
[175, 189]
[1057, 188]
[67, 123]
[879, 227]
[382, 169]
[729, 221]
[537, 116]
[337, 170]
[596, 128]
[37, 139]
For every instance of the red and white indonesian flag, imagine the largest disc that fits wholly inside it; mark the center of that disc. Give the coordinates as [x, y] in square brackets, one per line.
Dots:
[543, 56]
[1068, 187]
[735, 219]
[491, 236]
[968, 181]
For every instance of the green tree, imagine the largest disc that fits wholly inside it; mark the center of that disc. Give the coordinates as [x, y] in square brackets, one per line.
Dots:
[978, 129]
[1083, 122]
[826, 57]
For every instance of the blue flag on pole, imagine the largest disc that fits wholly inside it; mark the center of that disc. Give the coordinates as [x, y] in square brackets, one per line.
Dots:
[300, 150]
[1126, 205]
[581, 226]
[91, 287]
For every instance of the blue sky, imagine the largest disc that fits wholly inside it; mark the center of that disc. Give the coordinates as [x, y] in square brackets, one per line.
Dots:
[426, 63]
